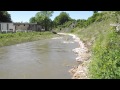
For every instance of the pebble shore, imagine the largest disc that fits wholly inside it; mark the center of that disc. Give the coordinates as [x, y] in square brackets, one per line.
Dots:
[83, 55]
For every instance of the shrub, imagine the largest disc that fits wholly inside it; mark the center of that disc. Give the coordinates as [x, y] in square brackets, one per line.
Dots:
[105, 61]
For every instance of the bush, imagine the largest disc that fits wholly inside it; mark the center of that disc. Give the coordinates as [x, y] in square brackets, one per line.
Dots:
[105, 61]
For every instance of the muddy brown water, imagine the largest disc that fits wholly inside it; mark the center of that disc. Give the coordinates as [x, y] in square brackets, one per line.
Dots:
[43, 59]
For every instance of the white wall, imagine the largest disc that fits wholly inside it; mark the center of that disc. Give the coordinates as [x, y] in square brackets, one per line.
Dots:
[10, 26]
[3, 26]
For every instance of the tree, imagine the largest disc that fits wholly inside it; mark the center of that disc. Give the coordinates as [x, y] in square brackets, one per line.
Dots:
[46, 17]
[32, 20]
[43, 18]
[95, 12]
[62, 18]
[5, 16]
[81, 23]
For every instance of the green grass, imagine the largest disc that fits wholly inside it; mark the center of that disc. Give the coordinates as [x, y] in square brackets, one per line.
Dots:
[20, 37]
[104, 44]
[105, 58]
[92, 32]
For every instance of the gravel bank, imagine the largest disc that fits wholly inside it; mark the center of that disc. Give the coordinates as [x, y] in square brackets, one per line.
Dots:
[83, 55]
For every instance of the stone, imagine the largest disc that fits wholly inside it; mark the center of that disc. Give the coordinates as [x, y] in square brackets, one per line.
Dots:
[83, 55]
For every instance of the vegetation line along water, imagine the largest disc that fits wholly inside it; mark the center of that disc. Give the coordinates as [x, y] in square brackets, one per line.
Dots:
[83, 55]
[20, 37]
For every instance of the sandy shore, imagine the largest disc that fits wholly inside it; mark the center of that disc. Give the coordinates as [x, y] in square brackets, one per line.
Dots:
[83, 55]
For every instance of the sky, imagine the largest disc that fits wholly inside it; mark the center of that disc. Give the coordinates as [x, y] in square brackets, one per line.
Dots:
[24, 16]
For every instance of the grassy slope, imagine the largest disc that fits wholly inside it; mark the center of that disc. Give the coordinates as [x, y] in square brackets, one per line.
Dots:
[20, 37]
[104, 44]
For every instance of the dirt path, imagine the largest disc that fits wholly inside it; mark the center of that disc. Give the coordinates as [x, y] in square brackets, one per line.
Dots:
[83, 55]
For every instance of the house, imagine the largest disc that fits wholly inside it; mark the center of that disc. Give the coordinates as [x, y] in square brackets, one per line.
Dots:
[27, 26]
[7, 27]
[14, 27]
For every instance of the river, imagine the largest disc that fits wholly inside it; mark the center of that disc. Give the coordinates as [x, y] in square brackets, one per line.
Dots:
[43, 59]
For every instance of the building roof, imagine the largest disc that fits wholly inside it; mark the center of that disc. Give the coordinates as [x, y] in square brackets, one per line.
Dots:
[18, 23]
[25, 23]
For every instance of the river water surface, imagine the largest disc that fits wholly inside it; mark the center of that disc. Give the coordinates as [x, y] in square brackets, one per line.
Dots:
[43, 59]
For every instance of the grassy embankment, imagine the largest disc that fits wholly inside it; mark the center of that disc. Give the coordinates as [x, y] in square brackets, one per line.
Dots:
[20, 37]
[104, 44]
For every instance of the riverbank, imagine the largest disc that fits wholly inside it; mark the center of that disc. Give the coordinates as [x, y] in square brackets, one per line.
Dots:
[7, 39]
[83, 55]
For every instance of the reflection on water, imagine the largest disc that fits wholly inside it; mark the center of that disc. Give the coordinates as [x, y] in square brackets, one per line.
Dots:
[44, 59]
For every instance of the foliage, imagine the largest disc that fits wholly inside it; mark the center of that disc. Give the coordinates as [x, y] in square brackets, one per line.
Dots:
[81, 23]
[62, 18]
[43, 18]
[5, 16]
[105, 62]
[95, 12]
[45, 14]
[20, 37]
[97, 17]
[32, 20]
